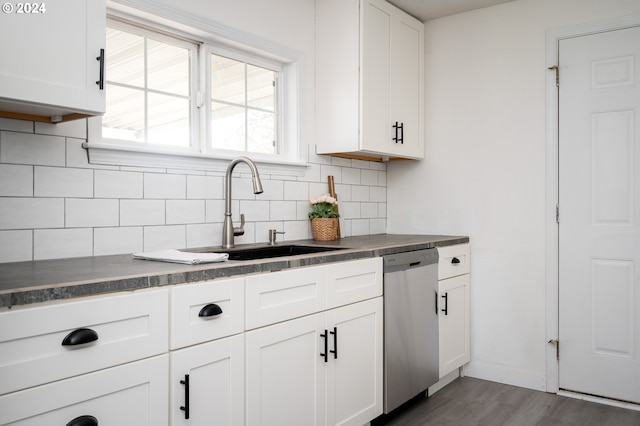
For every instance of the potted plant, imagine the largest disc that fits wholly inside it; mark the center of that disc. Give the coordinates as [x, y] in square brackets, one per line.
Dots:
[324, 218]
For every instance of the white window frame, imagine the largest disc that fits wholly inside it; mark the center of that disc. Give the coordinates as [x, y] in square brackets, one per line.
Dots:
[291, 159]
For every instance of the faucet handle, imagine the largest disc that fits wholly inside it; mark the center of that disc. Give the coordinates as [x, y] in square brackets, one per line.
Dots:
[239, 230]
[272, 236]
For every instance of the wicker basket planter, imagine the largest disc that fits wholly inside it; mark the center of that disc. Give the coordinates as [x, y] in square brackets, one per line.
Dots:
[325, 228]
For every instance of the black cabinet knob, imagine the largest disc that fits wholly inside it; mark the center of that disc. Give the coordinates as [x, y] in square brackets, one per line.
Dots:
[455, 260]
[83, 421]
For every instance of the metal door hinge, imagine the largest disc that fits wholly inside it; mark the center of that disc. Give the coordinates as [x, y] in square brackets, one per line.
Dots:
[557, 345]
[557, 213]
[557, 70]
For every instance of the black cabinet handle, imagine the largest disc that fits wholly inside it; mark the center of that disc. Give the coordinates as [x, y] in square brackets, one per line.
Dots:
[83, 421]
[80, 337]
[436, 302]
[395, 138]
[326, 346]
[455, 260]
[445, 297]
[100, 58]
[185, 407]
[335, 342]
[401, 133]
[210, 310]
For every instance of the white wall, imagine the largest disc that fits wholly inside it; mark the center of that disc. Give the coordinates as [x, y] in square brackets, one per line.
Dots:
[484, 173]
[54, 204]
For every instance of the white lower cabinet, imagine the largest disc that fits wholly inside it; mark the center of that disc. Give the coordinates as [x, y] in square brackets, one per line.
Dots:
[207, 383]
[130, 394]
[321, 369]
[454, 321]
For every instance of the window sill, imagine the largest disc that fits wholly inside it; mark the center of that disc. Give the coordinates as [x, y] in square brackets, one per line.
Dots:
[114, 155]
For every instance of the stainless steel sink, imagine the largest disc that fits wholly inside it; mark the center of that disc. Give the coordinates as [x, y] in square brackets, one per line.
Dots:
[266, 252]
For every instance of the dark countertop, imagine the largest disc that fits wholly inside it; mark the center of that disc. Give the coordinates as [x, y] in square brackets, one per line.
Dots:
[23, 283]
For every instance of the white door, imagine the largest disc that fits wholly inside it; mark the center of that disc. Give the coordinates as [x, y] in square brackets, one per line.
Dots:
[599, 229]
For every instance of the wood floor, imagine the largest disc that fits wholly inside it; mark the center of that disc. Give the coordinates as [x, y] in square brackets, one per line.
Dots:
[469, 402]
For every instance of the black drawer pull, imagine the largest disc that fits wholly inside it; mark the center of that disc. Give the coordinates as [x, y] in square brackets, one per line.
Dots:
[80, 337]
[325, 355]
[455, 260]
[100, 59]
[446, 307]
[210, 310]
[185, 407]
[83, 421]
[335, 342]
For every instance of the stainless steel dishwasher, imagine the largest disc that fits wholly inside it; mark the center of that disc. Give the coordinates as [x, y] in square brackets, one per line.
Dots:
[411, 360]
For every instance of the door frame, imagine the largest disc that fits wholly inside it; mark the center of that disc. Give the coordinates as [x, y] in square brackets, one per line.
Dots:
[552, 165]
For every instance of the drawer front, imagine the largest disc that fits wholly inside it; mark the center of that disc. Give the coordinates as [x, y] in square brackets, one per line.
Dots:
[130, 394]
[453, 261]
[279, 296]
[129, 327]
[195, 319]
[350, 282]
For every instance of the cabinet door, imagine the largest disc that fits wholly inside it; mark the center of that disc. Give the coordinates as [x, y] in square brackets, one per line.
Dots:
[354, 371]
[51, 56]
[454, 323]
[285, 373]
[215, 384]
[130, 394]
[375, 93]
[407, 76]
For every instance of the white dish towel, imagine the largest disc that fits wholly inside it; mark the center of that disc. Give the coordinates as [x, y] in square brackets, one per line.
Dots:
[177, 256]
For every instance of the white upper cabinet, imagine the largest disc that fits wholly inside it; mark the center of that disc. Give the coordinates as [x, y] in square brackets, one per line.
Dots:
[369, 80]
[51, 69]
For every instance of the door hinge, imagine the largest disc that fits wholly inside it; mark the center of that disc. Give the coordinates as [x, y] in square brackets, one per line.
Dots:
[557, 70]
[557, 345]
[557, 213]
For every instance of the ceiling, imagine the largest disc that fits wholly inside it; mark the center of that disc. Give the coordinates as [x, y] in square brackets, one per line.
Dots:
[431, 9]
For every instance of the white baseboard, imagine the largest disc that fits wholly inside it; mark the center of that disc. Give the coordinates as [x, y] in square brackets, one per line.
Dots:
[507, 375]
[606, 401]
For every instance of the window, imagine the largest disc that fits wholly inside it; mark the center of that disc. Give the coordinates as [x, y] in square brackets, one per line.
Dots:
[150, 95]
[243, 106]
[172, 94]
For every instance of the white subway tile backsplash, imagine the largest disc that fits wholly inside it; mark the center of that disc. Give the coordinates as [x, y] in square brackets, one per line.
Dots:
[254, 210]
[165, 186]
[378, 193]
[142, 212]
[360, 193]
[16, 246]
[31, 213]
[369, 210]
[351, 176]
[88, 212]
[127, 239]
[25, 148]
[54, 203]
[165, 237]
[205, 187]
[62, 182]
[16, 180]
[185, 211]
[296, 191]
[369, 177]
[116, 184]
[283, 210]
[204, 235]
[73, 129]
[60, 243]
[22, 126]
